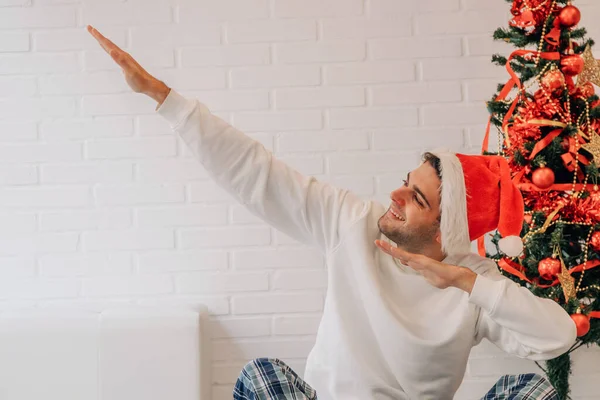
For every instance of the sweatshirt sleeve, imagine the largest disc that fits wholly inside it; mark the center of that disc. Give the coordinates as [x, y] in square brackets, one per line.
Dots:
[519, 322]
[302, 207]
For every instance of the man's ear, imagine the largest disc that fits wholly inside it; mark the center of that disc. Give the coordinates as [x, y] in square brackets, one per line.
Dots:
[438, 236]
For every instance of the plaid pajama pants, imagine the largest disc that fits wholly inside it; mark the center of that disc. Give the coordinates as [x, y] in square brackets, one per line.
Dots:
[272, 379]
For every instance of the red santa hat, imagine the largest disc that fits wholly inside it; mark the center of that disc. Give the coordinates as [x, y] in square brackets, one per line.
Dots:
[478, 196]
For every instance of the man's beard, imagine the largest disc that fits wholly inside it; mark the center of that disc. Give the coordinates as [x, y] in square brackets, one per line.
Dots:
[413, 239]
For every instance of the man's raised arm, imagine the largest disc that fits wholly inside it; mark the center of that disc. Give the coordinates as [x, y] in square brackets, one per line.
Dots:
[302, 207]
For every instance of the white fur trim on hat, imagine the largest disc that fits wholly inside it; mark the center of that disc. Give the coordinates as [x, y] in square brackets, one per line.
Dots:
[454, 224]
[512, 246]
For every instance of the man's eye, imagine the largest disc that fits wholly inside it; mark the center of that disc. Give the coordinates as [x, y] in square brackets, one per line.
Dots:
[405, 182]
[416, 198]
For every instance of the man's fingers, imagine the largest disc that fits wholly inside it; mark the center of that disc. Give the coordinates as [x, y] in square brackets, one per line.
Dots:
[401, 254]
[394, 251]
[384, 246]
[105, 42]
[120, 58]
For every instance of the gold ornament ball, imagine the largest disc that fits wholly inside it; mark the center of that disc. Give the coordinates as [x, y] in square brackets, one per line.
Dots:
[582, 322]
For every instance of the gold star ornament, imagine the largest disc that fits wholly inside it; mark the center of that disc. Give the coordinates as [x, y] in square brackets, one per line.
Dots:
[567, 282]
[591, 69]
[593, 147]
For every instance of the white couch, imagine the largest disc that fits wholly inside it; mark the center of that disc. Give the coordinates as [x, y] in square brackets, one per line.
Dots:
[117, 354]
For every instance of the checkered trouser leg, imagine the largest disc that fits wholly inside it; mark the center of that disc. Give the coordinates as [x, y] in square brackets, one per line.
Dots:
[522, 387]
[271, 379]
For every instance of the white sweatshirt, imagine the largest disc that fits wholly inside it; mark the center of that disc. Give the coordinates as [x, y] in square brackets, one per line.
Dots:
[385, 333]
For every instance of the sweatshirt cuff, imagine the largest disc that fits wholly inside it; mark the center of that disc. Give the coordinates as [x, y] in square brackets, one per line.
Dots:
[175, 109]
[485, 293]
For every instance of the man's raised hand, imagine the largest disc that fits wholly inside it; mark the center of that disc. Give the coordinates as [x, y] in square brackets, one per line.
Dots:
[138, 79]
[438, 274]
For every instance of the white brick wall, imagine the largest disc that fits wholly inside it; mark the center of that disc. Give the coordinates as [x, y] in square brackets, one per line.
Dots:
[101, 205]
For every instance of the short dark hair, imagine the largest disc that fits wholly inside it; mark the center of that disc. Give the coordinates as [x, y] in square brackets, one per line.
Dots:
[434, 161]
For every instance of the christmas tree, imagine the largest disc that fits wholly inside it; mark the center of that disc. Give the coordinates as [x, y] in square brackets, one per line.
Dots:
[548, 121]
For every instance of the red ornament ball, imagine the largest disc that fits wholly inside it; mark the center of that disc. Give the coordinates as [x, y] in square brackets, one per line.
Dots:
[572, 65]
[587, 90]
[569, 16]
[553, 81]
[582, 322]
[543, 177]
[549, 268]
[595, 241]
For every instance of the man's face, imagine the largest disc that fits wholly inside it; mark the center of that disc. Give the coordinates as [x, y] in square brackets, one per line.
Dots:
[412, 221]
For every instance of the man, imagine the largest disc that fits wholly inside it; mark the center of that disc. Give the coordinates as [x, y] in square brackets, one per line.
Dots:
[397, 323]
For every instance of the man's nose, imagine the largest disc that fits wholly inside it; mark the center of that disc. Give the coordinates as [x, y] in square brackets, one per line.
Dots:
[399, 196]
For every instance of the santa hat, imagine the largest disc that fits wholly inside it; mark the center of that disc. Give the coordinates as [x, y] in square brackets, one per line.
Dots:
[478, 196]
